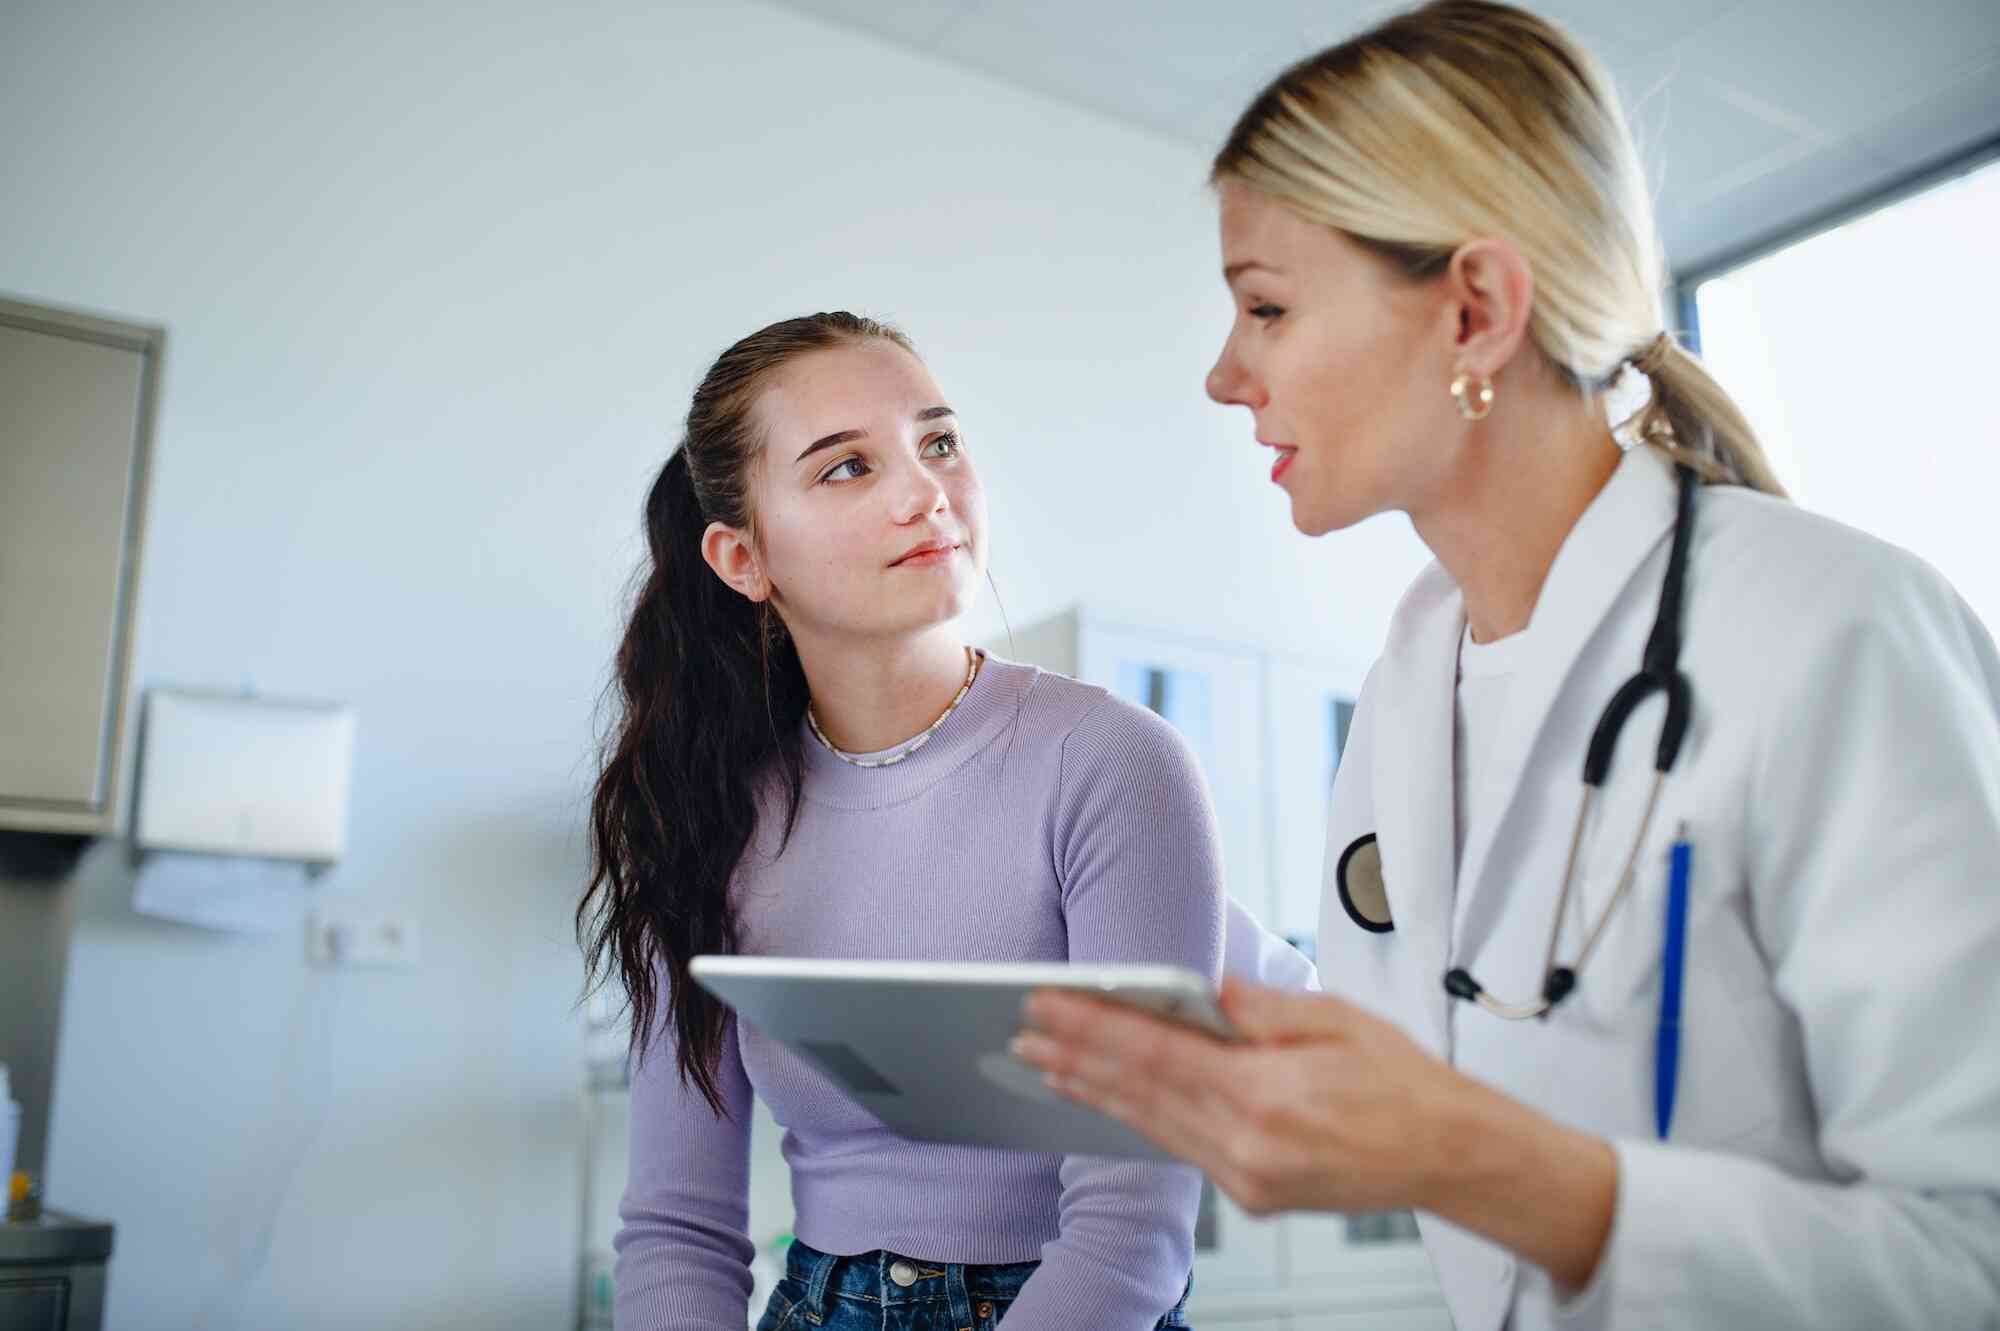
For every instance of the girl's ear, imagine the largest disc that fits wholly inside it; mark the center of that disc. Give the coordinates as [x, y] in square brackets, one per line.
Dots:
[729, 552]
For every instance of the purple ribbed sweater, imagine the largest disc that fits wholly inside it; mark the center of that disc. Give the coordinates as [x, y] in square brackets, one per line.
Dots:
[1044, 821]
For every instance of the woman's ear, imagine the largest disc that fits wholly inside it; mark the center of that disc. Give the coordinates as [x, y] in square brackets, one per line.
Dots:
[729, 552]
[1493, 290]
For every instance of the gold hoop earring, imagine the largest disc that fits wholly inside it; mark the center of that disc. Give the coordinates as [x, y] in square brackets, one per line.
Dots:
[1460, 394]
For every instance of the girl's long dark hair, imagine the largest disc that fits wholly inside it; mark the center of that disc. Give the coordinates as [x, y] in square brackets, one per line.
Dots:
[711, 699]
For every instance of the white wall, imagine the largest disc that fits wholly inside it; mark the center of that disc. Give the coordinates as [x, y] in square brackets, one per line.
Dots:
[437, 286]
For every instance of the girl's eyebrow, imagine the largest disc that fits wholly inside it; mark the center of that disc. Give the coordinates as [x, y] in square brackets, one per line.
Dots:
[849, 436]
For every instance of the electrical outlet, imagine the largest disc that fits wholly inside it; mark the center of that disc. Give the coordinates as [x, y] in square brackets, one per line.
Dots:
[377, 941]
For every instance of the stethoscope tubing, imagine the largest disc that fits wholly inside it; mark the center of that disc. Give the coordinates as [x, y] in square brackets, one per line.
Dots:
[1659, 672]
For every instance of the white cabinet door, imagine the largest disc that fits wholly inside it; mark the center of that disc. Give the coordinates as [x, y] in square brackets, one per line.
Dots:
[1213, 696]
[1336, 1265]
[1310, 708]
[1247, 1256]
[1366, 1249]
[73, 417]
[1432, 1317]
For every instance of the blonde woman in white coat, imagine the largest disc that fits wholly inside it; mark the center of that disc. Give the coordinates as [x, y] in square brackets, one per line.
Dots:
[1441, 253]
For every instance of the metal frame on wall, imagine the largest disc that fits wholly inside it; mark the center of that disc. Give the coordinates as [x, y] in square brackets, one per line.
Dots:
[105, 814]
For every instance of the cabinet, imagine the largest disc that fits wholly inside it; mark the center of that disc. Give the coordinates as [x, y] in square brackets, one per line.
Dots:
[76, 399]
[1268, 729]
[52, 1273]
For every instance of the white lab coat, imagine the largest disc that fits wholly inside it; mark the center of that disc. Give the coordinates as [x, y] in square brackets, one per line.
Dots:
[1252, 952]
[1834, 1159]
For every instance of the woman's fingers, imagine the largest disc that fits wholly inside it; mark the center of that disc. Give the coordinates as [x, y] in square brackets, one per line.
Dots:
[1189, 1128]
[1129, 1055]
[1171, 1085]
[1323, 1105]
[1098, 1041]
[1235, 1134]
[1276, 1016]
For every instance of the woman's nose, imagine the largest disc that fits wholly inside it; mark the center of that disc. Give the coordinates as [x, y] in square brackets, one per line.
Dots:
[1225, 380]
[1216, 392]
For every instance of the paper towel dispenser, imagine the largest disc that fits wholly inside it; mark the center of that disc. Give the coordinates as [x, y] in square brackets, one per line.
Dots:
[240, 775]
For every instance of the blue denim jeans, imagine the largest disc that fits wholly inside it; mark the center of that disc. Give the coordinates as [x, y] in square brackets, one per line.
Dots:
[862, 1293]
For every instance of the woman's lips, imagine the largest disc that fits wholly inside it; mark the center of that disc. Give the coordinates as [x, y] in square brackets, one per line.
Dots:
[926, 557]
[1285, 456]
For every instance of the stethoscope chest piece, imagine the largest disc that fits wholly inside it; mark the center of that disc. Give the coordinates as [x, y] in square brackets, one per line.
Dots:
[1358, 881]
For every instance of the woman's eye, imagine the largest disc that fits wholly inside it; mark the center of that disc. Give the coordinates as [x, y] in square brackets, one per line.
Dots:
[1266, 312]
[834, 473]
[948, 443]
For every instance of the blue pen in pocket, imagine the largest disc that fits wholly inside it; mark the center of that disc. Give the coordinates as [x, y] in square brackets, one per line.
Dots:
[1673, 959]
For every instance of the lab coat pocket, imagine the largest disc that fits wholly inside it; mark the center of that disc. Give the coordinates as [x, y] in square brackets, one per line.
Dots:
[1626, 966]
[1728, 1065]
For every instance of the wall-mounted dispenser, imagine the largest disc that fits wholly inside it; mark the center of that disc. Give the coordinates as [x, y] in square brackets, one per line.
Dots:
[227, 774]
[241, 800]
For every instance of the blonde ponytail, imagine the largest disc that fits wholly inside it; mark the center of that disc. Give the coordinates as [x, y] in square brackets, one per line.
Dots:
[1467, 118]
[1692, 420]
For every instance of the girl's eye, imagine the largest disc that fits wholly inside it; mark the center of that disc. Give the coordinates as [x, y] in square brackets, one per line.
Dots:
[1266, 312]
[834, 473]
[949, 443]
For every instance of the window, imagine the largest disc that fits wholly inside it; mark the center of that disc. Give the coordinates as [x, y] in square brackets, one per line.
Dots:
[1864, 358]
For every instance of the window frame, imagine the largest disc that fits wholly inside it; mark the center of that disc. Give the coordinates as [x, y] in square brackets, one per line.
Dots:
[1938, 171]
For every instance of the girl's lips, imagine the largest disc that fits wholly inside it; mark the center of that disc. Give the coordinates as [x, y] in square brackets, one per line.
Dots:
[927, 557]
[1285, 456]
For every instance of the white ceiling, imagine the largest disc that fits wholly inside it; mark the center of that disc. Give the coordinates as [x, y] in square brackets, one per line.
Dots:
[1754, 115]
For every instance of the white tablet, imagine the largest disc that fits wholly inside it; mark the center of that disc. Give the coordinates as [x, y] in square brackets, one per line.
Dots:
[923, 1045]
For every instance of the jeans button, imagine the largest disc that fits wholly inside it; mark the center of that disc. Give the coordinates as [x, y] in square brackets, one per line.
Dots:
[903, 1274]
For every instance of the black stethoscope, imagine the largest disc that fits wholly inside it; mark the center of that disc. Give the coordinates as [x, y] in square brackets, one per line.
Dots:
[1358, 877]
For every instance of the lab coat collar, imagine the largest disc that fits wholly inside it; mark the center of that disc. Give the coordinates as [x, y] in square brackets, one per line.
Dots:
[1413, 772]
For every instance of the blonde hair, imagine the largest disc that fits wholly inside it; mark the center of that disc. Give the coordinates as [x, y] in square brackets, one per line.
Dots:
[1466, 118]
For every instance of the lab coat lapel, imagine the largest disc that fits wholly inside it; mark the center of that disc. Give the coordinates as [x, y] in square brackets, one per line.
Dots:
[1627, 521]
[1413, 782]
